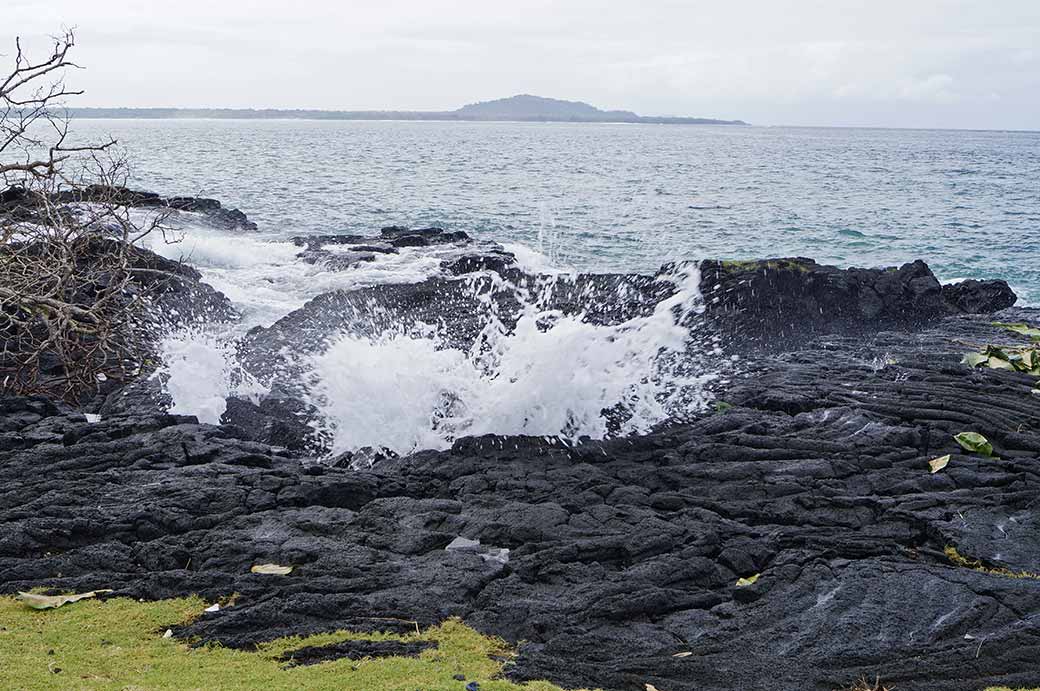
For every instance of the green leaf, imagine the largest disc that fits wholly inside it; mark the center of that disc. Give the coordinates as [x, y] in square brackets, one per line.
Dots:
[272, 569]
[995, 362]
[750, 580]
[995, 351]
[975, 442]
[974, 359]
[1020, 328]
[721, 406]
[54, 601]
[937, 464]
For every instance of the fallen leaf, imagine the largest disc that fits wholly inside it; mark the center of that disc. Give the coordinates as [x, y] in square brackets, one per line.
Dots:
[686, 654]
[750, 580]
[272, 569]
[52, 601]
[997, 363]
[937, 464]
[974, 359]
[1020, 328]
[973, 441]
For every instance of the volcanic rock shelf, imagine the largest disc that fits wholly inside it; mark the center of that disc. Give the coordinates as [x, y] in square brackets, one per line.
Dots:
[623, 554]
[791, 538]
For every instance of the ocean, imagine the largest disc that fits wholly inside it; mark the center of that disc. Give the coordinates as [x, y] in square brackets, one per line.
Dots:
[602, 197]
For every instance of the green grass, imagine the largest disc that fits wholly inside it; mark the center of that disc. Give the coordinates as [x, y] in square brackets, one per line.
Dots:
[118, 644]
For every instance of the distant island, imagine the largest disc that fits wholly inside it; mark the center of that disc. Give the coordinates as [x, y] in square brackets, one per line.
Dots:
[523, 108]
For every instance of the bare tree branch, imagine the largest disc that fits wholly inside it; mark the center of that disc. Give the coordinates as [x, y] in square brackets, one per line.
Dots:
[68, 304]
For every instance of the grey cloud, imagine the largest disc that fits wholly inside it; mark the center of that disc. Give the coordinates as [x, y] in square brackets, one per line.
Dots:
[943, 63]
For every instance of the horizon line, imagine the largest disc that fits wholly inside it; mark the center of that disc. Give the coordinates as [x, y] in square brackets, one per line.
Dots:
[532, 120]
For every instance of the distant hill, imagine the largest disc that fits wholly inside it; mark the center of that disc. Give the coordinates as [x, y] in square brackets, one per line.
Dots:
[522, 107]
[527, 106]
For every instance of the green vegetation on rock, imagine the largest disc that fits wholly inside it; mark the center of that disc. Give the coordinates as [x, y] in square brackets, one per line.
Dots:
[758, 264]
[958, 559]
[120, 644]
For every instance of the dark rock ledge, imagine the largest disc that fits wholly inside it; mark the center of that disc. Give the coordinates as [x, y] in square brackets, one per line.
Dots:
[623, 553]
[14, 201]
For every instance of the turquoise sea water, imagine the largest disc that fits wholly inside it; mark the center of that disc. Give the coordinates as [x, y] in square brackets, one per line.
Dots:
[624, 197]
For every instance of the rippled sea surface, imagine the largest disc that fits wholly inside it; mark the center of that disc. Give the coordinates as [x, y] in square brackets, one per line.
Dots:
[624, 197]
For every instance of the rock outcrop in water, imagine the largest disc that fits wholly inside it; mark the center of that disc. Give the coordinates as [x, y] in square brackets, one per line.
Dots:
[791, 538]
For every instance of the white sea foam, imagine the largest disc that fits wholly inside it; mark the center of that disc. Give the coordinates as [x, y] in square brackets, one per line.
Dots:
[547, 374]
[266, 281]
[534, 261]
[200, 372]
[550, 375]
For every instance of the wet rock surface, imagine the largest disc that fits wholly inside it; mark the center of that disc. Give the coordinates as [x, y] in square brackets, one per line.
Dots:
[978, 297]
[779, 302]
[17, 203]
[623, 554]
[457, 252]
[211, 211]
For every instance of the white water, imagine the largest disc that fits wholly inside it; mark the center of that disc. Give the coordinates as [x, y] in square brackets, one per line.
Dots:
[200, 372]
[549, 375]
[265, 280]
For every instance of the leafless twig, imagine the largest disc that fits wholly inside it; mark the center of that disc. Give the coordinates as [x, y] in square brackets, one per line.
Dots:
[68, 303]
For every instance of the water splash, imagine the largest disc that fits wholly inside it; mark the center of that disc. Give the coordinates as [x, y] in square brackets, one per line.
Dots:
[200, 371]
[550, 374]
[550, 237]
[265, 280]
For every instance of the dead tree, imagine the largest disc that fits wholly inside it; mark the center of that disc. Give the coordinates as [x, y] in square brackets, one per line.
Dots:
[69, 309]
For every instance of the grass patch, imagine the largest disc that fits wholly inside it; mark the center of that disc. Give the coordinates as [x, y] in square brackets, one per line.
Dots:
[118, 644]
[958, 559]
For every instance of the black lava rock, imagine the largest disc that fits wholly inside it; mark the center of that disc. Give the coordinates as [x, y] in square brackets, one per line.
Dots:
[623, 553]
[978, 297]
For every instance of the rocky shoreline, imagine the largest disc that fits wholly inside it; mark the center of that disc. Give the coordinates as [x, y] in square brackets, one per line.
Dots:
[790, 537]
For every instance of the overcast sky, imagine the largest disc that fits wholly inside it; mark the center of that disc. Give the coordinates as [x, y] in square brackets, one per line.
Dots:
[905, 63]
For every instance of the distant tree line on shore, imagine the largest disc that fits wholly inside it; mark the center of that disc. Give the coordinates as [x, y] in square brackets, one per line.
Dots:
[522, 108]
[443, 116]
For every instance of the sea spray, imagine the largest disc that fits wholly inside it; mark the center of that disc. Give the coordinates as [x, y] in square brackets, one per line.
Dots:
[550, 374]
[200, 372]
[265, 279]
[407, 385]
